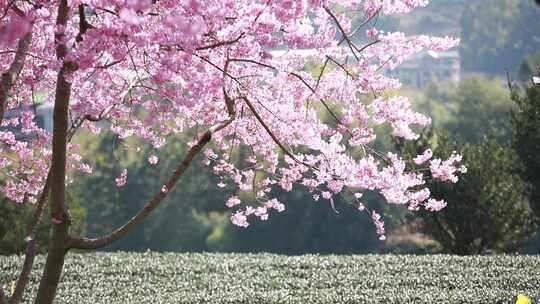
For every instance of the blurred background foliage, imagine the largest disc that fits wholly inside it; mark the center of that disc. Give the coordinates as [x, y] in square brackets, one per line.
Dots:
[194, 217]
[488, 210]
[14, 219]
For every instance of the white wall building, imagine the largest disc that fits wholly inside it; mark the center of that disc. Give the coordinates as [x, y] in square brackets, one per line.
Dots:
[429, 67]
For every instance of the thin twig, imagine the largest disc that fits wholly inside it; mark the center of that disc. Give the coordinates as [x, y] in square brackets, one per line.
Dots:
[345, 36]
[368, 19]
[271, 134]
[221, 43]
[31, 244]
[254, 62]
[336, 118]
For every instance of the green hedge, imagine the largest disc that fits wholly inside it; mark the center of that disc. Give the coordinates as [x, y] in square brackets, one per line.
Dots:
[265, 278]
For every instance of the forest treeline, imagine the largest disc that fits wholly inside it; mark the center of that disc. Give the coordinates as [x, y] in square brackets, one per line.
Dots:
[496, 35]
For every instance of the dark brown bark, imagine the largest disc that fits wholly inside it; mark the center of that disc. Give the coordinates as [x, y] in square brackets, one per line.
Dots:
[94, 243]
[2, 296]
[8, 78]
[57, 249]
[58, 207]
[31, 245]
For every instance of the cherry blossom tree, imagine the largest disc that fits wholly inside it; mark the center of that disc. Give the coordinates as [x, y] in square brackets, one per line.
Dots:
[152, 68]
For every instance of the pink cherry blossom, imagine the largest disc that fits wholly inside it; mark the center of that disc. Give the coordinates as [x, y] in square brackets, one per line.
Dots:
[239, 219]
[435, 205]
[235, 69]
[85, 168]
[447, 170]
[152, 159]
[122, 178]
[424, 157]
[379, 225]
[13, 30]
[233, 201]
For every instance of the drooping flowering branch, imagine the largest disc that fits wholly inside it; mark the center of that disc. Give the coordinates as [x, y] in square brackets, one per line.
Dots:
[99, 242]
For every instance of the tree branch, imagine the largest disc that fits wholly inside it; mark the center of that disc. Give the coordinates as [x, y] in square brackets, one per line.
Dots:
[88, 243]
[17, 10]
[108, 65]
[60, 118]
[341, 66]
[59, 209]
[8, 78]
[218, 68]
[221, 43]
[32, 245]
[2, 296]
[274, 137]
[321, 74]
[345, 36]
[368, 19]
[83, 24]
[360, 50]
[254, 62]
[75, 126]
[95, 243]
[338, 121]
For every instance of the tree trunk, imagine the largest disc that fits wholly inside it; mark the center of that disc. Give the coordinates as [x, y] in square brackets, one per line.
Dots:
[3, 299]
[53, 266]
[58, 206]
[59, 209]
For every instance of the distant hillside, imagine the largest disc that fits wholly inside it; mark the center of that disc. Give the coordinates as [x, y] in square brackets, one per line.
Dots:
[496, 35]
[440, 18]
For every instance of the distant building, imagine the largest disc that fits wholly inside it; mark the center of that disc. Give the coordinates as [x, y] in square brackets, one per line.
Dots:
[43, 118]
[429, 67]
[44, 115]
[418, 71]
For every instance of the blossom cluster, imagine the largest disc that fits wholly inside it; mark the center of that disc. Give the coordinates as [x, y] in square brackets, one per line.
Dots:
[154, 68]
